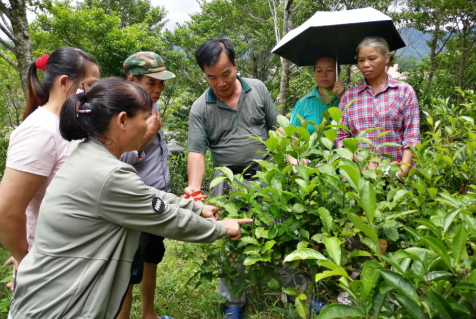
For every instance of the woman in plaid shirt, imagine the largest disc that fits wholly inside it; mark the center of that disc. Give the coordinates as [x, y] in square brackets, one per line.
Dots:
[384, 103]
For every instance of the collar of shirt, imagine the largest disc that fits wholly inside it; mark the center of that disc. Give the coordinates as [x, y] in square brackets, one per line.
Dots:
[212, 98]
[391, 82]
[315, 93]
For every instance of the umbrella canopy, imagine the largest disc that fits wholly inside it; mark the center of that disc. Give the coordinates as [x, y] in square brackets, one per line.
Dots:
[336, 34]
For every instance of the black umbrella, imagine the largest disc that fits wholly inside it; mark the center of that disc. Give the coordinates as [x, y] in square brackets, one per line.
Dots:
[336, 34]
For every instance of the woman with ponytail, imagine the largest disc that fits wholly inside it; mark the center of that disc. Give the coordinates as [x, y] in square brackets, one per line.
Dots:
[37, 150]
[90, 219]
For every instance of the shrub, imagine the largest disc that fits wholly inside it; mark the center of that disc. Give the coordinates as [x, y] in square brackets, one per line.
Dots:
[412, 243]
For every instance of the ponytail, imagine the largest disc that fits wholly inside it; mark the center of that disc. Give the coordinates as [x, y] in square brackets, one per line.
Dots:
[71, 62]
[70, 128]
[37, 94]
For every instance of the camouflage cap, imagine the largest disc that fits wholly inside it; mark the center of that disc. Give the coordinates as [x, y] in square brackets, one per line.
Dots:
[147, 63]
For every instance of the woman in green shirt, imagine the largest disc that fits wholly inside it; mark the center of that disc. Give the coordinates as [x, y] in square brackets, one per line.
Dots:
[309, 107]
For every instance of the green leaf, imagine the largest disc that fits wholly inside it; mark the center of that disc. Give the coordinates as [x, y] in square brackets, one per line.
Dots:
[298, 208]
[217, 180]
[359, 223]
[449, 219]
[465, 286]
[228, 173]
[328, 264]
[459, 243]
[402, 284]
[260, 232]
[411, 306]
[351, 144]
[331, 134]
[333, 248]
[301, 307]
[370, 243]
[345, 153]
[368, 278]
[283, 121]
[335, 272]
[273, 284]
[326, 219]
[336, 311]
[377, 302]
[368, 200]
[335, 113]
[290, 291]
[277, 309]
[304, 253]
[272, 143]
[318, 238]
[439, 248]
[250, 260]
[428, 224]
[304, 233]
[359, 253]
[351, 172]
[249, 240]
[459, 308]
[252, 250]
[443, 307]
[472, 276]
[302, 297]
[341, 127]
[267, 246]
[438, 275]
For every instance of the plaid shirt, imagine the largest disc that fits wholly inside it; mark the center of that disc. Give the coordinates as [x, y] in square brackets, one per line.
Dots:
[394, 109]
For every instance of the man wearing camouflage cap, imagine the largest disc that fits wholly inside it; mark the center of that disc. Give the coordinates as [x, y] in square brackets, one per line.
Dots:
[148, 70]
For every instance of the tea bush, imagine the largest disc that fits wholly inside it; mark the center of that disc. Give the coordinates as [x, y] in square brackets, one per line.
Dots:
[412, 243]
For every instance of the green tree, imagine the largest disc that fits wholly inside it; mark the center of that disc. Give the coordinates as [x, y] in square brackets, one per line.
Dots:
[133, 12]
[96, 31]
[11, 94]
[14, 25]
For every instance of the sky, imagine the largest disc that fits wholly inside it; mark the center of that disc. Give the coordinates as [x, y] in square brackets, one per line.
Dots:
[179, 10]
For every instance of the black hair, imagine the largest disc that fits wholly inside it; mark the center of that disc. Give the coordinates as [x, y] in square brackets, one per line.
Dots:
[89, 114]
[209, 52]
[67, 61]
[329, 57]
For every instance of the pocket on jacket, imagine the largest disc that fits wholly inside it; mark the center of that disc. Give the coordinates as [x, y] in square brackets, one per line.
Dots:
[258, 125]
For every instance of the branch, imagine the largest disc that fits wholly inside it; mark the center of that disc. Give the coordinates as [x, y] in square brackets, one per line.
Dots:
[8, 26]
[5, 30]
[5, 10]
[7, 45]
[444, 43]
[8, 60]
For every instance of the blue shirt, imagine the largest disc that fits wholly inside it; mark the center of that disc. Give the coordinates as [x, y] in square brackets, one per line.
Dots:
[153, 169]
[310, 109]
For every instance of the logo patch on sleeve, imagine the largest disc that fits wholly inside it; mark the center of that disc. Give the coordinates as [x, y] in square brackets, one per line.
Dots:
[159, 205]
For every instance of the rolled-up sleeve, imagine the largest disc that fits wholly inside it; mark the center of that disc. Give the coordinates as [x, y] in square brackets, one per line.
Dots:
[411, 125]
[342, 134]
[125, 200]
[197, 133]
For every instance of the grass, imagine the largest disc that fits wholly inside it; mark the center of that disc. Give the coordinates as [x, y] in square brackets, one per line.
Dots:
[5, 276]
[176, 293]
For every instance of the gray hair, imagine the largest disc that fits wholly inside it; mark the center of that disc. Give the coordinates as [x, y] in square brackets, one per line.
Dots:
[376, 42]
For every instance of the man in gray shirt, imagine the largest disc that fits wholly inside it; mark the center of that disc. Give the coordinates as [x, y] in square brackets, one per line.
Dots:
[148, 70]
[229, 111]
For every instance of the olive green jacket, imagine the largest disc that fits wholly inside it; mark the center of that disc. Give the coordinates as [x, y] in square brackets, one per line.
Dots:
[87, 234]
